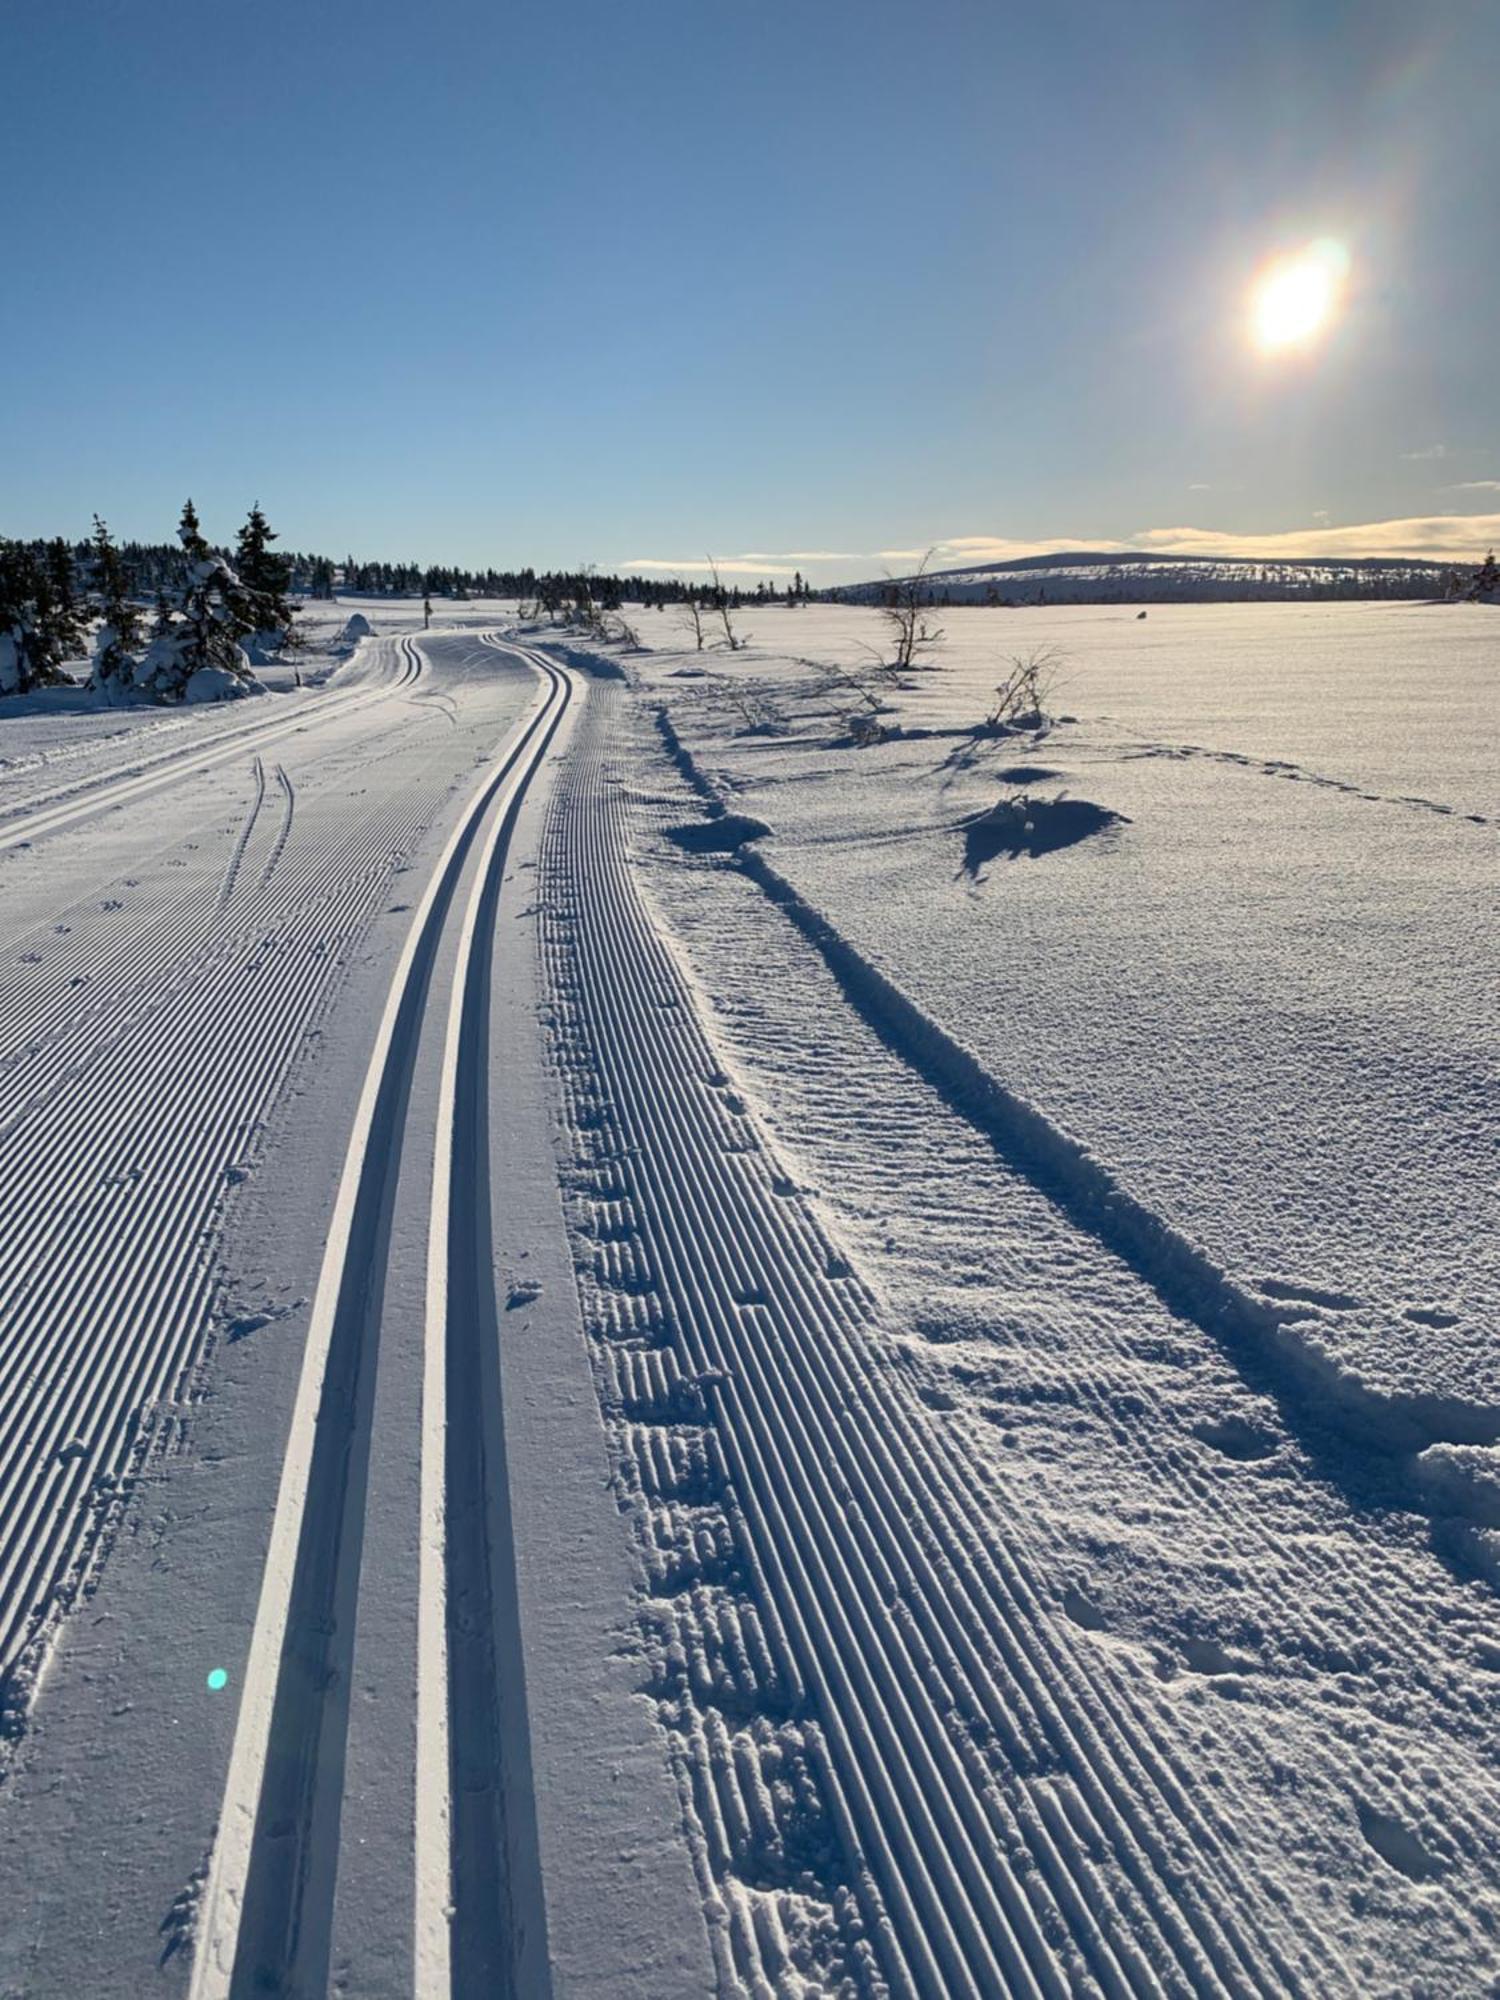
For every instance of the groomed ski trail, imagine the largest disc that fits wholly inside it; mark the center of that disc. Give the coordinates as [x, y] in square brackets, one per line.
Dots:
[1009, 1825]
[267, 1906]
[144, 1044]
[68, 805]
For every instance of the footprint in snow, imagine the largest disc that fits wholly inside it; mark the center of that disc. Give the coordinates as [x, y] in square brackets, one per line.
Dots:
[1084, 1611]
[1236, 1437]
[1295, 1292]
[1397, 1845]
[1207, 1656]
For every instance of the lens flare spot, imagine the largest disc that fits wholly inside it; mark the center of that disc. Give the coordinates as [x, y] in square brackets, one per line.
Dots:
[218, 1678]
[1296, 298]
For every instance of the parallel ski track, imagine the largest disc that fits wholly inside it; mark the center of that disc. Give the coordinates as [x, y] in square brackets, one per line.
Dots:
[103, 1291]
[111, 1170]
[69, 804]
[267, 1903]
[1029, 1833]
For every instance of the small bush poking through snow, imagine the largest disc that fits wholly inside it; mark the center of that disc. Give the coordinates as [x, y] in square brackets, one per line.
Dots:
[910, 635]
[1021, 698]
[760, 714]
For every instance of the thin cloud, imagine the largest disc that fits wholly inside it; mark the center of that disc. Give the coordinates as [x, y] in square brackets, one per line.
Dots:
[726, 565]
[1200, 486]
[805, 555]
[1428, 451]
[1424, 537]
[1455, 538]
[752, 563]
[1474, 486]
[1427, 537]
[958, 551]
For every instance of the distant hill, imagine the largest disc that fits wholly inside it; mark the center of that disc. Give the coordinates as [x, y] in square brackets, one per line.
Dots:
[1089, 578]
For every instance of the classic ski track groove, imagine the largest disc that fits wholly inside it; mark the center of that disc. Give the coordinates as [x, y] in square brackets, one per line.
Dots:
[903, 1607]
[227, 1946]
[73, 1259]
[72, 803]
[111, 1176]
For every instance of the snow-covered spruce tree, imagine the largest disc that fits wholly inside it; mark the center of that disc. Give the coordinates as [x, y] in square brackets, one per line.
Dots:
[267, 576]
[1485, 588]
[113, 664]
[30, 653]
[58, 609]
[196, 654]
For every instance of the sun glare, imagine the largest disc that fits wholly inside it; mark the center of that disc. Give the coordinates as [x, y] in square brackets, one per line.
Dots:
[1296, 298]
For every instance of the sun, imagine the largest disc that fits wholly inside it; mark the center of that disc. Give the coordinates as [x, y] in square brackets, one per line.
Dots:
[1297, 297]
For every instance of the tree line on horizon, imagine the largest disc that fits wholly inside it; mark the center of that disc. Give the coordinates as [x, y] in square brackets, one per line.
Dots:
[200, 607]
[150, 617]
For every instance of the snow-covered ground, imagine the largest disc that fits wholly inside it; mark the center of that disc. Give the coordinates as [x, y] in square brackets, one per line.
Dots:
[1263, 1001]
[896, 1415]
[1168, 1155]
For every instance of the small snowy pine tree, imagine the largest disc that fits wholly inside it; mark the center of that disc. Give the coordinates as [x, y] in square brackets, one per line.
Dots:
[1486, 585]
[58, 609]
[119, 629]
[30, 627]
[198, 656]
[267, 576]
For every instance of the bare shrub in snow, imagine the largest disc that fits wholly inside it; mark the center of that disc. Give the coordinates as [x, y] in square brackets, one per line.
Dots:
[759, 712]
[692, 618]
[861, 720]
[1021, 698]
[732, 638]
[620, 632]
[865, 729]
[909, 634]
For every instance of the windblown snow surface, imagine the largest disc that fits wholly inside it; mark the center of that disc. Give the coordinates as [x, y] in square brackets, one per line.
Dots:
[1165, 1151]
[1004, 1499]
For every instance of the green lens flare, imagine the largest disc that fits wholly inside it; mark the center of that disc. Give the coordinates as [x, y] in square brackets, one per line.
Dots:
[218, 1678]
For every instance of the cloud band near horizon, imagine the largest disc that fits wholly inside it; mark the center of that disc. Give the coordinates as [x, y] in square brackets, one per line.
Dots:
[1457, 538]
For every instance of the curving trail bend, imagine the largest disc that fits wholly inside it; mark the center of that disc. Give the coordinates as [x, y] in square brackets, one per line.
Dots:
[38, 816]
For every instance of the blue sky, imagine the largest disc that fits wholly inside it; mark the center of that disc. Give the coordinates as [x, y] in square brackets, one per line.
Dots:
[812, 283]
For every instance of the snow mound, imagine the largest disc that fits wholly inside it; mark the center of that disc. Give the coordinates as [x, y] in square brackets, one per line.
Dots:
[356, 627]
[1463, 1479]
[1022, 825]
[724, 834]
[219, 684]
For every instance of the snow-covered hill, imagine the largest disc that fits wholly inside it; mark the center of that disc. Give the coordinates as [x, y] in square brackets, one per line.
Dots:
[1090, 578]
